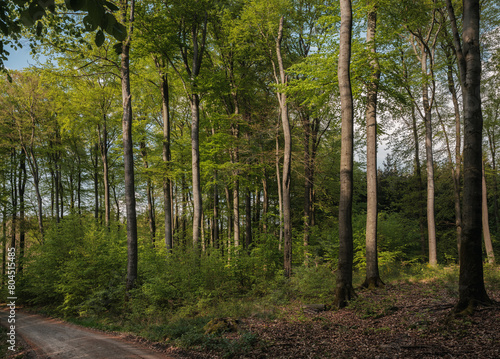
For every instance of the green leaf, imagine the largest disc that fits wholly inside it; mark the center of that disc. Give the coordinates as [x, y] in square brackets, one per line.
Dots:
[111, 6]
[96, 12]
[99, 38]
[89, 26]
[119, 32]
[26, 18]
[118, 47]
[75, 4]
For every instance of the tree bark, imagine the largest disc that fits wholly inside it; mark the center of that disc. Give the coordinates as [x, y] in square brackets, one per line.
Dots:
[128, 154]
[372, 279]
[485, 220]
[95, 163]
[471, 281]
[345, 291]
[166, 155]
[287, 159]
[427, 103]
[14, 198]
[23, 177]
[307, 183]
[149, 195]
[103, 146]
[248, 218]
[456, 170]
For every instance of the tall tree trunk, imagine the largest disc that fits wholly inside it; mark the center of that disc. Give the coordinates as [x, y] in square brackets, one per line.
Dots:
[195, 167]
[33, 165]
[265, 202]
[493, 153]
[372, 272]
[103, 146]
[236, 182]
[166, 154]
[471, 281]
[128, 153]
[23, 177]
[420, 185]
[248, 216]
[427, 103]
[95, 163]
[345, 290]
[280, 193]
[79, 185]
[215, 233]
[287, 160]
[13, 197]
[307, 184]
[4, 235]
[485, 220]
[458, 150]
[149, 194]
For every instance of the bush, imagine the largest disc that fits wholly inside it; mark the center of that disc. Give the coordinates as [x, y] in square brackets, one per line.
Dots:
[79, 269]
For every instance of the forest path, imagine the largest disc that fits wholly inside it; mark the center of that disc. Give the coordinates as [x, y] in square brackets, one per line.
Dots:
[53, 338]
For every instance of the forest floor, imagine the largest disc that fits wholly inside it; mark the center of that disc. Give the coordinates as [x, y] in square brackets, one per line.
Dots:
[405, 319]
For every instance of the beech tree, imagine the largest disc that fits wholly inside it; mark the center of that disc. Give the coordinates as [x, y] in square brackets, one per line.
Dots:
[467, 50]
[372, 271]
[345, 291]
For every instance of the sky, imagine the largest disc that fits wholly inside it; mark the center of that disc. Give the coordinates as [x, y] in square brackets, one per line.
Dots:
[19, 59]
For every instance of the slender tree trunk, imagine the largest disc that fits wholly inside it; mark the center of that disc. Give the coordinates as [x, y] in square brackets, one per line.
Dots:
[248, 216]
[79, 186]
[95, 163]
[4, 236]
[13, 197]
[307, 184]
[103, 146]
[216, 213]
[236, 184]
[372, 272]
[471, 281]
[431, 222]
[345, 290]
[166, 155]
[56, 174]
[287, 160]
[23, 177]
[458, 151]
[493, 152]
[128, 153]
[229, 216]
[195, 167]
[280, 193]
[149, 194]
[265, 202]
[33, 165]
[485, 220]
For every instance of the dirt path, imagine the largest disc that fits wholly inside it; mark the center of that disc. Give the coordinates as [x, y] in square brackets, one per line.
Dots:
[52, 338]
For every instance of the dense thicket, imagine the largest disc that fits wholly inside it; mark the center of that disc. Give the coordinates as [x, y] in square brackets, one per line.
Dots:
[234, 114]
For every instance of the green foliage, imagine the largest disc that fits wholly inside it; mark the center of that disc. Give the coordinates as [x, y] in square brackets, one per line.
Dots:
[78, 270]
[315, 282]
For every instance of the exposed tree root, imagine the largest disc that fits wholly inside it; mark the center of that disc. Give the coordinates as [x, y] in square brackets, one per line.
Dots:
[372, 283]
[467, 306]
[343, 294]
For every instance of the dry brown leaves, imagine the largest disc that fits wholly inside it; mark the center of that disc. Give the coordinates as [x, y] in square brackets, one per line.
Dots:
[404, 320]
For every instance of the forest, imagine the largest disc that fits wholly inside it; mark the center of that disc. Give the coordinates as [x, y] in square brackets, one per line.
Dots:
[166, 164]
